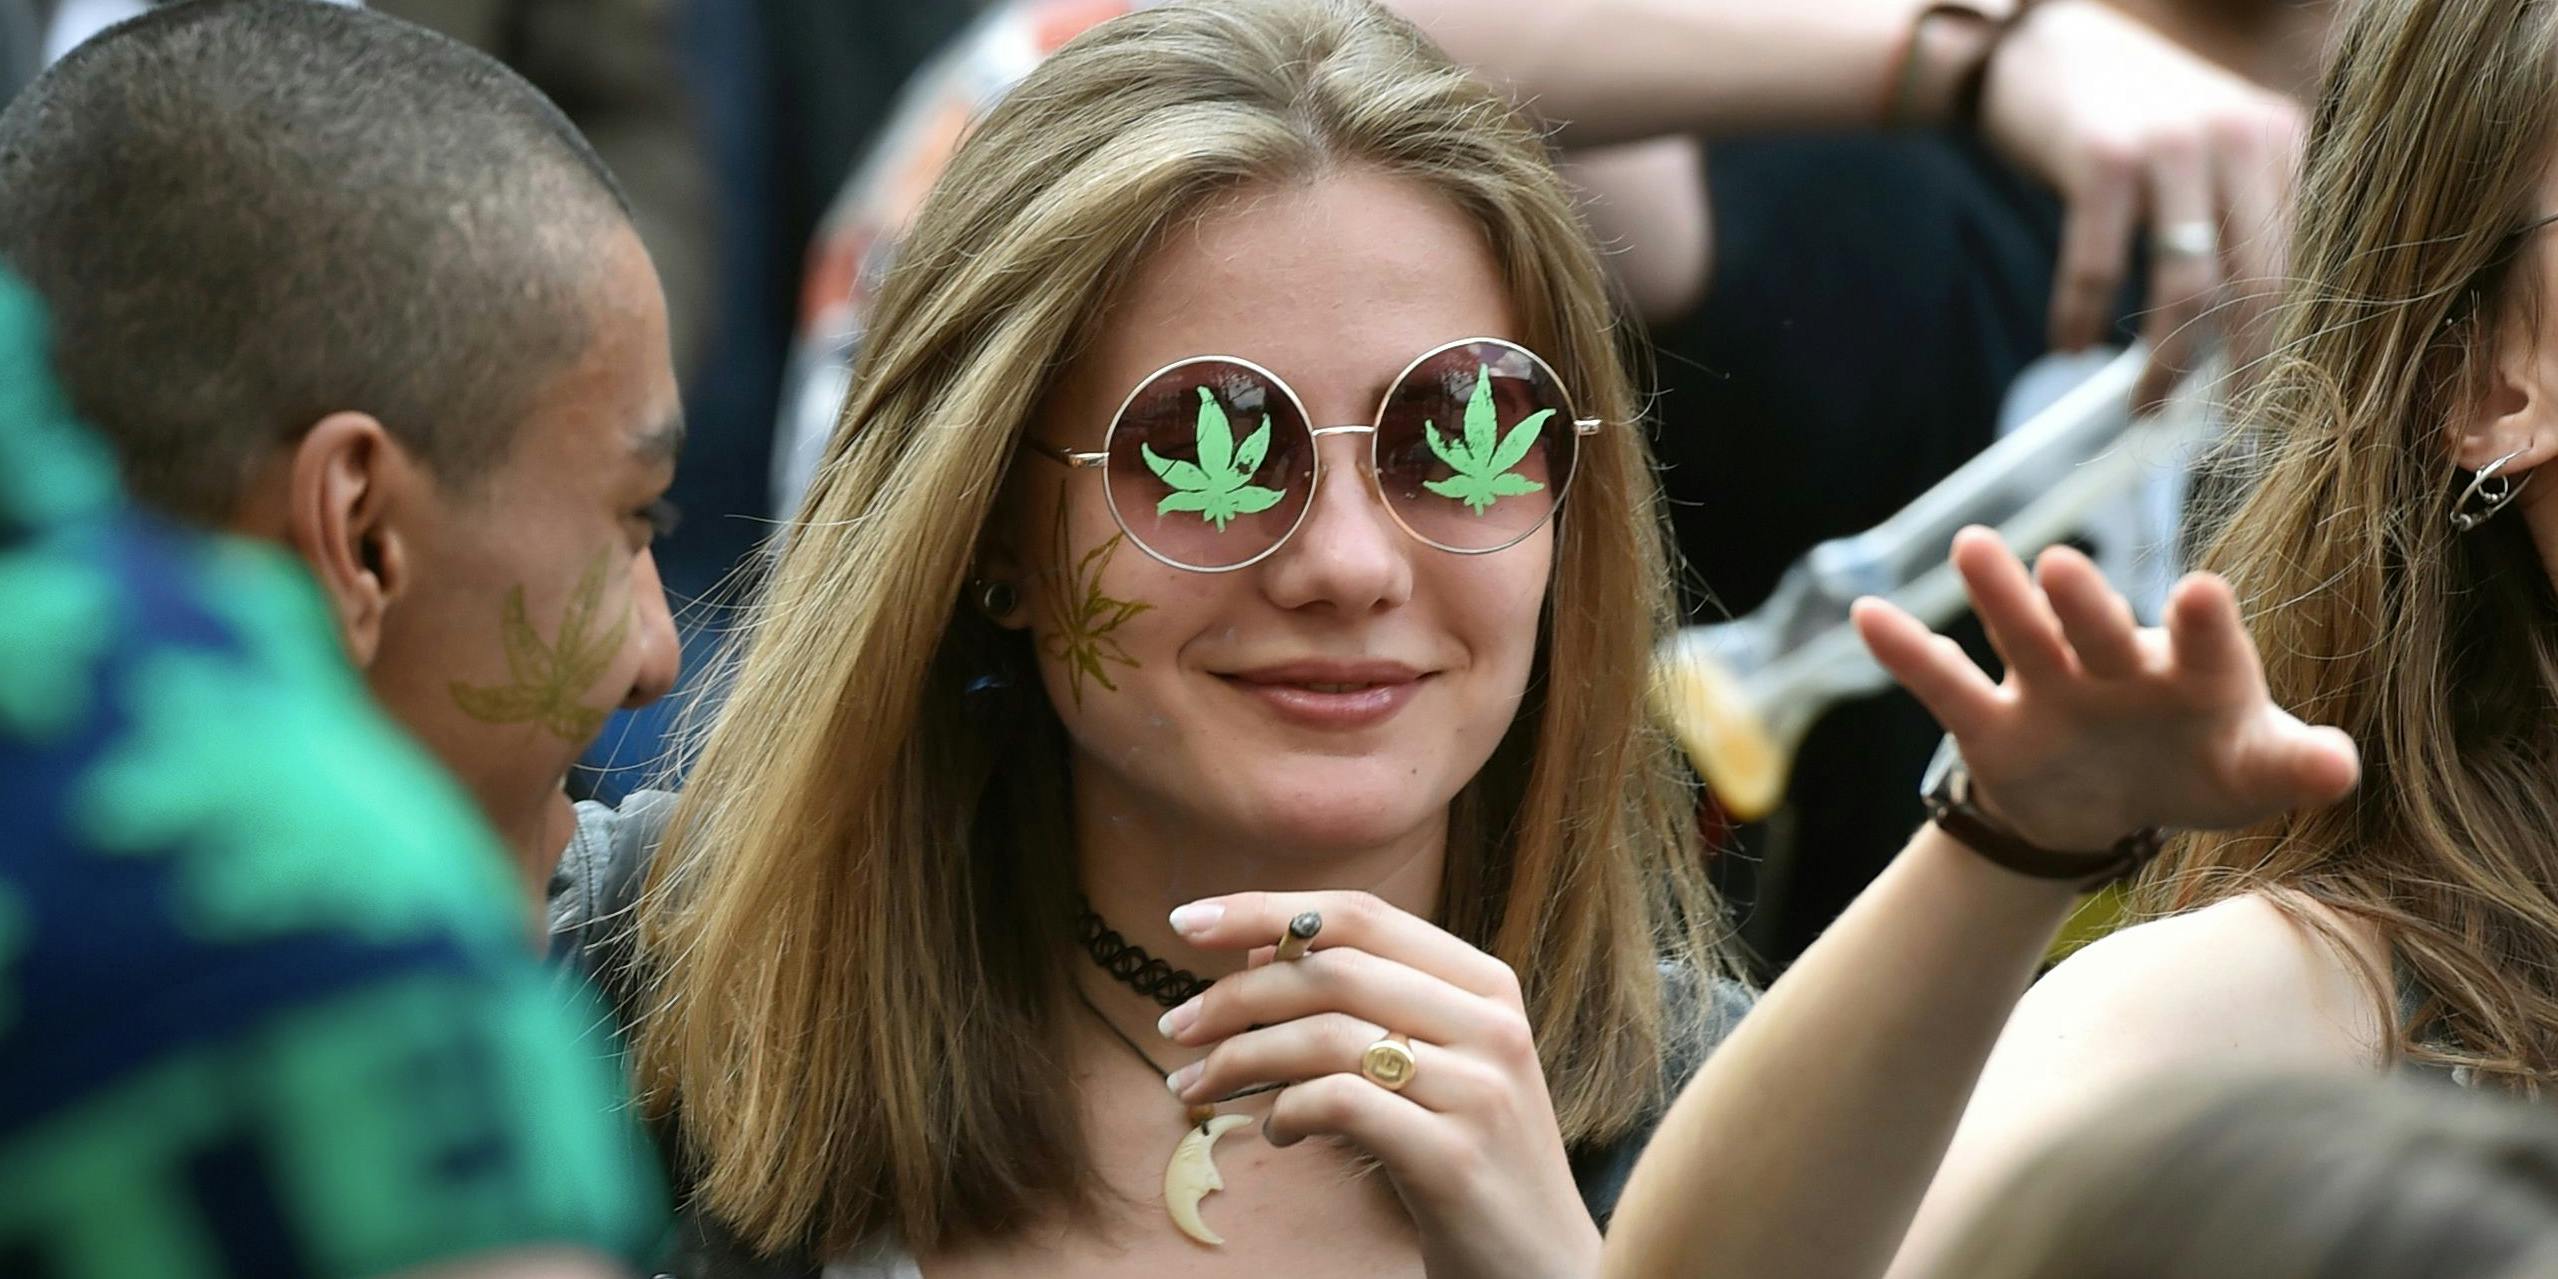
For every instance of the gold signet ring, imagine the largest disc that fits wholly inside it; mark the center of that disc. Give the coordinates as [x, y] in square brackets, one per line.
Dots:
[1300, 935]
[1388, 1063]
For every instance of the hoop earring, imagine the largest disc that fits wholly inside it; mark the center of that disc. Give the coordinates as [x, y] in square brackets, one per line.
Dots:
[996, 598]
[2490, 490]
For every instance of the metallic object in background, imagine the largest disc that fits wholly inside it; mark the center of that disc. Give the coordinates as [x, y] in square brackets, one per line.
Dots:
[1741, 694]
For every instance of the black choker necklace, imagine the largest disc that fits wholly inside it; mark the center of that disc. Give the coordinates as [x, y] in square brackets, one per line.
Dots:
[1130, 965]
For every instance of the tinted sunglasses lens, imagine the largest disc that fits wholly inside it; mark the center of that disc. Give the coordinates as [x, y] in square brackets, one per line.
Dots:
[1475, 446]
[1211, 464]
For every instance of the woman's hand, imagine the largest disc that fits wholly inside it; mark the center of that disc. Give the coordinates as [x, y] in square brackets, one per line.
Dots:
[1470, 1142]
[2101, 726]
[2134, 130]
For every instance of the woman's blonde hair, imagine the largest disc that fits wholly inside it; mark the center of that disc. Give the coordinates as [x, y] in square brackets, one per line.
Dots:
[859, 933]
[2280, 1177]
[2434, 649]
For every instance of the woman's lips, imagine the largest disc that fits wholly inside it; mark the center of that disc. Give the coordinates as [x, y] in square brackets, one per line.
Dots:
[1331, 696]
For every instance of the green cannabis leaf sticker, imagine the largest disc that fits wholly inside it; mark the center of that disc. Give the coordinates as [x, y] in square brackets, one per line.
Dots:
[1219, 485]
[1083, 621]
[547, 680]
[1482, 460]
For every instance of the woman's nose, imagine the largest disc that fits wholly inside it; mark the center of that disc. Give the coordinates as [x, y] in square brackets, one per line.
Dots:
[1349, 554]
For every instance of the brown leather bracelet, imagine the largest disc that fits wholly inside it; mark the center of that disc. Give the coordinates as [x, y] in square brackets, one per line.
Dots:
[1947, 792]
[2091, 870]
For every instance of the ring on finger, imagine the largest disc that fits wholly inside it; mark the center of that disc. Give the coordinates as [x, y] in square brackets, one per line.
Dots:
[2193, 238]
[1388, 1063]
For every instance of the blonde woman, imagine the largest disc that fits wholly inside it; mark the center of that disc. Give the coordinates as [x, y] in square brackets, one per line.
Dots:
[1239, 530]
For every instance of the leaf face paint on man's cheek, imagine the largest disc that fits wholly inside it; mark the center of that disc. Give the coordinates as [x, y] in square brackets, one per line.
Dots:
[546, 682]
[1082, 620]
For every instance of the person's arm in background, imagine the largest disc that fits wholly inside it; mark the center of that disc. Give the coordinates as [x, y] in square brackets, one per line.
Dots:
[1604, 71]
[2127, 126]
[1645, 203]
[1804, 1145]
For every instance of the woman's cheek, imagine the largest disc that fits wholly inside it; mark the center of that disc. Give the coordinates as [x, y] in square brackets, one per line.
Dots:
[1500, 608]
[1088, 610]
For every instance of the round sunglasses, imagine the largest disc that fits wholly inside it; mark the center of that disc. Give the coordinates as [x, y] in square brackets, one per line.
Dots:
[1210, 464]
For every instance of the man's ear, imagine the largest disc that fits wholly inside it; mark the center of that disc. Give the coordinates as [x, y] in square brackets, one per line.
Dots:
[2517, 413]
[347, 474]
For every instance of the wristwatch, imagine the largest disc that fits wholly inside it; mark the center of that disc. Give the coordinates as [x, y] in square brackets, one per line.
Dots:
[1947, 789]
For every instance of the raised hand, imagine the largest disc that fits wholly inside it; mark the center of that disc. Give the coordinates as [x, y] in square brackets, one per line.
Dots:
[1470, 1142]
[2132, 130]
[2102, 726]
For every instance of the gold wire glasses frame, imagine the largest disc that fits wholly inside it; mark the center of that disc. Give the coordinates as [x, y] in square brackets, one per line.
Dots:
[1078, 459]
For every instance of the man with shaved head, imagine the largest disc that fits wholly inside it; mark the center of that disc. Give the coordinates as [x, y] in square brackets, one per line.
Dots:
[340, 285]
[331, 280]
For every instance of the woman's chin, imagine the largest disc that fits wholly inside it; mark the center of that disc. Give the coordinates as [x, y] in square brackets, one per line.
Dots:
[1340, 820]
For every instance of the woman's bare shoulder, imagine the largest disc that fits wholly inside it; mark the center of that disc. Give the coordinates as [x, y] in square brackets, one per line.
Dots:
[2235, 987]
[2243, 981]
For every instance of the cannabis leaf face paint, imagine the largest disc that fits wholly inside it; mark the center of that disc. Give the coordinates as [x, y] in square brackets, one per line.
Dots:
[1219, 485]
[545, 682]
[1485, 456]
[1083, 623]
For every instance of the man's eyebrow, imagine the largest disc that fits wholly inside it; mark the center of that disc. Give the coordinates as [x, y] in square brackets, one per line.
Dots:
[662, 443]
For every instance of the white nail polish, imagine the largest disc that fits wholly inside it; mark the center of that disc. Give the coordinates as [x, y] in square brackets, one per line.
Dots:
[1197, 917]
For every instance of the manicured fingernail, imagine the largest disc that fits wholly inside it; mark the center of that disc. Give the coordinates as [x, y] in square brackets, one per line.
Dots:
[1197, 917]
[1180, 1080]
[1178, 1020]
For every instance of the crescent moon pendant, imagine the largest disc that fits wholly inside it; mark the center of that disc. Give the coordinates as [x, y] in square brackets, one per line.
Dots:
[1192, 1174]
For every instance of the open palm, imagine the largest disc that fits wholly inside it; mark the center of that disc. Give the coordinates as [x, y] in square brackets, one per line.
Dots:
[2102, 726]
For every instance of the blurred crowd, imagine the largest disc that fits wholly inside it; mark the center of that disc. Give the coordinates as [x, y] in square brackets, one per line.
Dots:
[649, 636]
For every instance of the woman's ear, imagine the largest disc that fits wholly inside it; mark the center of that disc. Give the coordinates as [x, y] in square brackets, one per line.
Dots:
[339, 519]
[2517, 414]
[1000, 587]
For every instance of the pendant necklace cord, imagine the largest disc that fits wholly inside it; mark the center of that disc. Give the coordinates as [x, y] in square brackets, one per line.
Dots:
[1191, 1173]
[1151, 1064]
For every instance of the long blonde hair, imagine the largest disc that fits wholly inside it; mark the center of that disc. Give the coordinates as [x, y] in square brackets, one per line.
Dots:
[2434, 649]
[858, 929]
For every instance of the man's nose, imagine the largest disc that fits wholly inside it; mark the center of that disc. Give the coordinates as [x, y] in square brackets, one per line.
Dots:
[661, 650]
